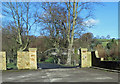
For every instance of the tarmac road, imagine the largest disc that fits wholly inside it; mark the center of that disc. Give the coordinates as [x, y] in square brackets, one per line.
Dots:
[59, 75]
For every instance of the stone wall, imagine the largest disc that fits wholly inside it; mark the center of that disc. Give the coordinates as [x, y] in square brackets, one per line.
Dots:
[89, 59]
[27, 59]
[110, 64]
[95, 58]
[2, 60]
[100, 62]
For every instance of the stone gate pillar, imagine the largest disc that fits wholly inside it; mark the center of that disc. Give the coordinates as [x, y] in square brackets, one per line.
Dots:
[23, 60]
[85, 58]
[27, 59]
[2, 60]
[33, 58]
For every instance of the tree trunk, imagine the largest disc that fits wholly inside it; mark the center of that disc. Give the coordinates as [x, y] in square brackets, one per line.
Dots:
[8, 60]
[72, 35]
[69, 54]
[58, 60]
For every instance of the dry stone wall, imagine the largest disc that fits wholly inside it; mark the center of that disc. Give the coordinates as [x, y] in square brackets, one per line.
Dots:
[27, 59]
[2, 60]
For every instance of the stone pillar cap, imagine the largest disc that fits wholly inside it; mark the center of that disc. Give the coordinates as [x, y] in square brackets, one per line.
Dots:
[32, 49]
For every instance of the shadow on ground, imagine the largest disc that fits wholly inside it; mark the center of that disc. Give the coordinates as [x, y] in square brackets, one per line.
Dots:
[53, 66]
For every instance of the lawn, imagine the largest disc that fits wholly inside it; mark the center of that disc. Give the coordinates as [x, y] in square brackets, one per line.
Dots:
[11, 66]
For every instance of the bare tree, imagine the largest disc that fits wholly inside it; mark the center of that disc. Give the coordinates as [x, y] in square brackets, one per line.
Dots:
[74, 11]
[53, 20]
[66, 20]
[21, 21]
[108, 36]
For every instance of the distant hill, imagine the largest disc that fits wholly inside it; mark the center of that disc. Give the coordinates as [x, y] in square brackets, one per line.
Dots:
[105, 41]
[104, 44]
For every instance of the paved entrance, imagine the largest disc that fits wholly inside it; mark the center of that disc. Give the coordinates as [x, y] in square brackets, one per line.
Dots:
[60, 75]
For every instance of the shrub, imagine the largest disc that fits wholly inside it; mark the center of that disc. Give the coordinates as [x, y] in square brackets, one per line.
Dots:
[50, 60]
[101, 51]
